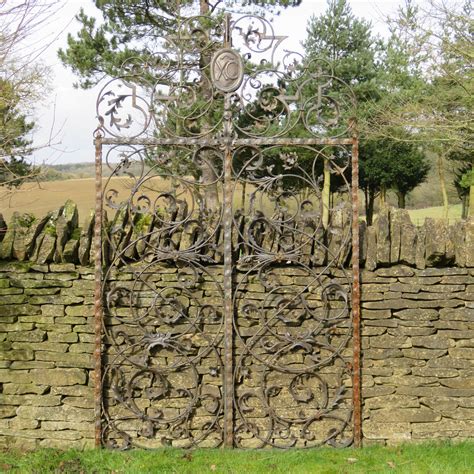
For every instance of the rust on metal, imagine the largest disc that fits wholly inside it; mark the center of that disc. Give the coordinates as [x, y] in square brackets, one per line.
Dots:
[226, 142]
[177, 364]
[98, 316]
[228, 305]
[212, 141]
[356, 394]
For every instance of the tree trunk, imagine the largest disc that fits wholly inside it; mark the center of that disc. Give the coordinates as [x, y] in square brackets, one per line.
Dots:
[326, 194]
[401, 200]
[442, 181]
[366, 201]
[470, 212]
[209, 179]
[370, 208]
[208, 175]
[464, 205]
[244, 186]
[383, 196]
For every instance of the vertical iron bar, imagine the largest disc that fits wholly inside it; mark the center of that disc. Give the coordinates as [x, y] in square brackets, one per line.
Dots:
[356, 365]
[227, 36]
[228, 306]
[98, 291]
[228, 295]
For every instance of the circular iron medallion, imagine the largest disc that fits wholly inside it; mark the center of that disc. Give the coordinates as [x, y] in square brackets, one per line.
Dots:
[227, 70]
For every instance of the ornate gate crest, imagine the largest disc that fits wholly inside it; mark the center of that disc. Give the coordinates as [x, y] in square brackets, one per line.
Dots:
[227, 70]
[225, 313]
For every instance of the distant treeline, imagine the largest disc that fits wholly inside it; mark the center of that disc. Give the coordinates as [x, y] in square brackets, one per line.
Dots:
[62, 172]
[66, 171]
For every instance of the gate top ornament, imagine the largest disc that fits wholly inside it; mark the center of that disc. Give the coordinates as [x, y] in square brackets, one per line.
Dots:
[227, 70]
[178, 91]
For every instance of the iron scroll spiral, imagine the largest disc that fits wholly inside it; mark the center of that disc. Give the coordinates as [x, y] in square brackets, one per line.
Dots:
[170, 123]
[292, 300]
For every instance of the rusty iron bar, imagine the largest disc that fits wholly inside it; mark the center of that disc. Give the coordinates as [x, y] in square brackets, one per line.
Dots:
[98, 315]
[228, 306]
[228, 265]
[269, 141]
[356, 385]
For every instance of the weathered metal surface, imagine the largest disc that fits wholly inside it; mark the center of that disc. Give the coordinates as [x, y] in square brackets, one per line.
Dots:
[98, 289]
[227, 70]
[230, 321]
[157, 141]
[356, 343]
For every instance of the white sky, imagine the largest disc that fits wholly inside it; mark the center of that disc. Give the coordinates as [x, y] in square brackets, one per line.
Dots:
[69, 114]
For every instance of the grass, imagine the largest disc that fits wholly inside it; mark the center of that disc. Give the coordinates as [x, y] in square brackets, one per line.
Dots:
[423, 458]
[40, 198]
[418, 216]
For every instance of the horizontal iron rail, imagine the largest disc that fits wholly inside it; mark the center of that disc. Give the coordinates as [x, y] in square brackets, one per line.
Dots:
[217, 142]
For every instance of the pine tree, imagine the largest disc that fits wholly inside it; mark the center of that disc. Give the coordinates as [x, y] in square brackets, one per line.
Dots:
[14, 141]
[133, 30]
[361, 60]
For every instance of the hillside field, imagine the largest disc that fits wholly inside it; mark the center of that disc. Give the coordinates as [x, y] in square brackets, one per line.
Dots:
[39, 198]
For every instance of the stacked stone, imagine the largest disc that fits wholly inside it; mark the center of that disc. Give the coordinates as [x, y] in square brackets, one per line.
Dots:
[393, 240]
[46, 335]
[418, 354]
[418, 343]
[285, 326]
[57, 237]
[418, 333]
[176, 328]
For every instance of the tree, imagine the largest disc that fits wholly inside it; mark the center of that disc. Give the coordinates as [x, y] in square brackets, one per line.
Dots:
[24, 80]
[390, 164]
[373, 69]
[410, 168]
[433, 42]
[100, 50]
[463, 159]
[103, 49]
[14, 144]
[345, 43]
[436, 42]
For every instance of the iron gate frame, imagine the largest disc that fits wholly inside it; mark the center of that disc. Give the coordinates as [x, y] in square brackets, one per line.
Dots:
[229, 143]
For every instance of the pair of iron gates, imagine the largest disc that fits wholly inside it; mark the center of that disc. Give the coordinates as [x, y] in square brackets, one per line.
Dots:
[224, 311]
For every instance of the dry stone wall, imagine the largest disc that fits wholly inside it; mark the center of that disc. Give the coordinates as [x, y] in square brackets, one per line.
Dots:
[164, 371]
[417, 331]
[418, 354]
[46, 334]
[392, 240]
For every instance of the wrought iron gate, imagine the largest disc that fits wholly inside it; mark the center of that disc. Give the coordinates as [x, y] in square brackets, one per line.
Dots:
[224, 311]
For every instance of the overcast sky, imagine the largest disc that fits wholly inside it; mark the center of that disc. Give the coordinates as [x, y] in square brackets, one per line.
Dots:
[69, 114]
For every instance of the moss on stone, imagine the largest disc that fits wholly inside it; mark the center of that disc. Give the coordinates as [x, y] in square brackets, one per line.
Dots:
[26, 220]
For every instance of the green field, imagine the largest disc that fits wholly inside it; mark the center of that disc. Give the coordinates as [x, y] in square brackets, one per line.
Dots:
[426, 458]
[437, 212]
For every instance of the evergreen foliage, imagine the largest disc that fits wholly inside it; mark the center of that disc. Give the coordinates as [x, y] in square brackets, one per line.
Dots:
[362, 60]
[131, 29]
[14, 138]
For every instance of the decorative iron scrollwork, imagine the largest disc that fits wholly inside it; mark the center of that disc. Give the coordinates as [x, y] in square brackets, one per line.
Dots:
[219, 162]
